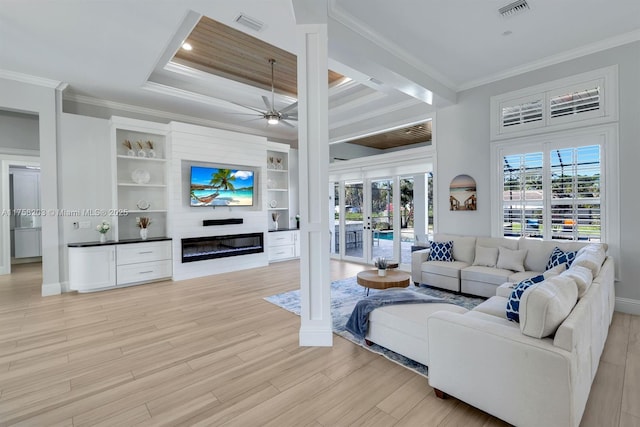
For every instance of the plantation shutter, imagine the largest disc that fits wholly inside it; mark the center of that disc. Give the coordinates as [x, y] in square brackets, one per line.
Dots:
[575, 102]
[523, 195]
[521, 113]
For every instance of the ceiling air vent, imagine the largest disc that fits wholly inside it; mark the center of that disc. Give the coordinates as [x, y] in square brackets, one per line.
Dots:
[514, 8]
[249, 22]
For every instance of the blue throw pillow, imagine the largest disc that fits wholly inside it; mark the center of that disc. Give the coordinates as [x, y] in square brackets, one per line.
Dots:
[441, 251]
[558, 257]
[513, 305]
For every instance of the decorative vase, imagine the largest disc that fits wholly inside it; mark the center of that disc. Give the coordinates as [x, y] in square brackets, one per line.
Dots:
[103, 237]
[144, 233]
[275, 225]
[142, 153]
[382, 272]
[131, 153]
[151, 153]
[297, 223]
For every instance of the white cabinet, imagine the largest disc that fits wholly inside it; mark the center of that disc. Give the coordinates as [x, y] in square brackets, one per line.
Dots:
[27, 242]
[92, 268]
[96, 267]
[143, 262]
[283, 245]
[140, 175]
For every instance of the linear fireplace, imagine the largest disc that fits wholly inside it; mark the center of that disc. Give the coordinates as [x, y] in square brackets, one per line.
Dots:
[201, 248]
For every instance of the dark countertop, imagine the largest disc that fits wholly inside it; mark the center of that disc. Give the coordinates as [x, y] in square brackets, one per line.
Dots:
[113, 242]
[283, 229]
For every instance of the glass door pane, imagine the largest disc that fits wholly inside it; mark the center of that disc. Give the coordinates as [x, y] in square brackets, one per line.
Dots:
[335, 218]
[407, 232]
[382, 219]
[354, 223]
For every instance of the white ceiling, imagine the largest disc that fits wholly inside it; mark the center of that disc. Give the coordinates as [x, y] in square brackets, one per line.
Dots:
[113, 53]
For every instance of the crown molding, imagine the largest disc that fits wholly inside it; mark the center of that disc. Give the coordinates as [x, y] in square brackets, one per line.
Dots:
[34, 80]
[81, 99]
[350, 21]
[589, 49]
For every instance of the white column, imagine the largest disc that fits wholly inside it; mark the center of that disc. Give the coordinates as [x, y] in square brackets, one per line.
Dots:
[313, 136]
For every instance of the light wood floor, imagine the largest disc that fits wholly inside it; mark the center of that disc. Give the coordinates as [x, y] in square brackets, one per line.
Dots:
[211, 351]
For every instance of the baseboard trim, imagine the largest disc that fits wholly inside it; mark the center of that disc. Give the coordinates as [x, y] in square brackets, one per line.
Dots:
[628, 305]
[312, 337]
[49, 289]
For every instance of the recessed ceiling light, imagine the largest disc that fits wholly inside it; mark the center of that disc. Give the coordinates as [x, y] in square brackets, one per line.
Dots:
[507, 33]
[187, 46]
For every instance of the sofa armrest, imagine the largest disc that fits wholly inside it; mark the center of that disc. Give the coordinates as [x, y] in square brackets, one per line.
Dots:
[417, 258]
[522, 380]
[505, 289]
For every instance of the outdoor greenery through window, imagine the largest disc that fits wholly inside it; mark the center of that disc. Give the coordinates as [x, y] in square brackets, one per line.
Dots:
[553, 194]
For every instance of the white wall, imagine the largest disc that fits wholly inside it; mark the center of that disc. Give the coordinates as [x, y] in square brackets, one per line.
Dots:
[85, 182]
[348, 151]
[19, 131]
[463, 147]
[195, 144]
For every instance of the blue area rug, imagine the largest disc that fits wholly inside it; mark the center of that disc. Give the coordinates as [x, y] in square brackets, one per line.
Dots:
[344, 296]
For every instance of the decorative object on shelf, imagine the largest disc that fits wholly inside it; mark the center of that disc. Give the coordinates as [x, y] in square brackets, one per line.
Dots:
[275, 216]
[462, 194]
[140, 176]
[270, 183]
[141, 152]
[151, 153]
[298, 221]
[103, 228]
[130, 151]
[143, 205]
[143, 223]
[271, 165]
[381, 263]
[279, 163]
[273, 203]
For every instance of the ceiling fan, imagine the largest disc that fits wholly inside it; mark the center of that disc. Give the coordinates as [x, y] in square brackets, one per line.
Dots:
[272, 115]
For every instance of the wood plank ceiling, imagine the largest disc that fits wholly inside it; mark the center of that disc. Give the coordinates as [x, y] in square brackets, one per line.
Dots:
[226, 52]
[409, 135]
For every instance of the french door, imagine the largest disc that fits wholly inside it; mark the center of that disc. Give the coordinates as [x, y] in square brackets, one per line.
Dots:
[373, 218]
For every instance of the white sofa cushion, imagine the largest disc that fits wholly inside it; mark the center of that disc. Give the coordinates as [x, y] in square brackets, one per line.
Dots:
[582, 276]
[464, 247]
[509, 259]
[496, 242]
[545, 305]
[477, 273]
[495, 306]
[444, 268]
[486, 257]
[591, 256]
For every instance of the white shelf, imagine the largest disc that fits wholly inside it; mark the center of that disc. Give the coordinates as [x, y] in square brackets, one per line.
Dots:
[278, 189]
[144, 159]
[278, 170]
[132, 184]
[147, 211]
[278, 209]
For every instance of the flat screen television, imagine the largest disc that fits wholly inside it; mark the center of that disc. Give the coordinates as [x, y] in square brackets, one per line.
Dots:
[213, 186]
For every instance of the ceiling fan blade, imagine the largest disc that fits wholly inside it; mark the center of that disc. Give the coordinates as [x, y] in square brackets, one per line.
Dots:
[288, 117]
[250, 108]
[286, 123]
[267, 103]
[289, 107]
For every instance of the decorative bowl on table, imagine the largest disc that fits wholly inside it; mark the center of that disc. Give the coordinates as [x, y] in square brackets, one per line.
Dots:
[140, 176]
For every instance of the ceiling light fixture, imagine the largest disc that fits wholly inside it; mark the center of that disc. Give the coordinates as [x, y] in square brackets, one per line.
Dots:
[272, 119]
[187, 46]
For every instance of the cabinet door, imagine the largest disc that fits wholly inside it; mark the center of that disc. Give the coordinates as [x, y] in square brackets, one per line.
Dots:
[92, 268]
[27, 243]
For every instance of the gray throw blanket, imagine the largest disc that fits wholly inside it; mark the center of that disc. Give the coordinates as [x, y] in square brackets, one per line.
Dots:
[358, 323]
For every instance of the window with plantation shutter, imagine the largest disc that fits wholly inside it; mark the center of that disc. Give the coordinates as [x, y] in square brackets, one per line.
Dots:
[553, 193]
[581, 100]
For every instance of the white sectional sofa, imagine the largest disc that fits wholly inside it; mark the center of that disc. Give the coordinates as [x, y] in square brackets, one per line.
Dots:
[474, 271]
[535, 373]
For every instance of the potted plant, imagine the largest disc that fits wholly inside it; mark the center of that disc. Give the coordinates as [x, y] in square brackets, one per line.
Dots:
[381, 263]
[143, 223]
[103, 228]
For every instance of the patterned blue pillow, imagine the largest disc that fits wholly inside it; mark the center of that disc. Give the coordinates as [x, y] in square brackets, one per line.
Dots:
[558, 257]
[513, 305]
[441, 251]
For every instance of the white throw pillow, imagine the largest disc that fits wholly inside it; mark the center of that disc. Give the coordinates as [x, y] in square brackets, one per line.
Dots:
[509, 259]
[555, 270]
[486, 256]
[545, 305]
[582, 276]
[591, 256]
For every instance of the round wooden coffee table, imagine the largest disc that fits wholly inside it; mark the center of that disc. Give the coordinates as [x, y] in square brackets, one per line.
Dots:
[394, 279]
